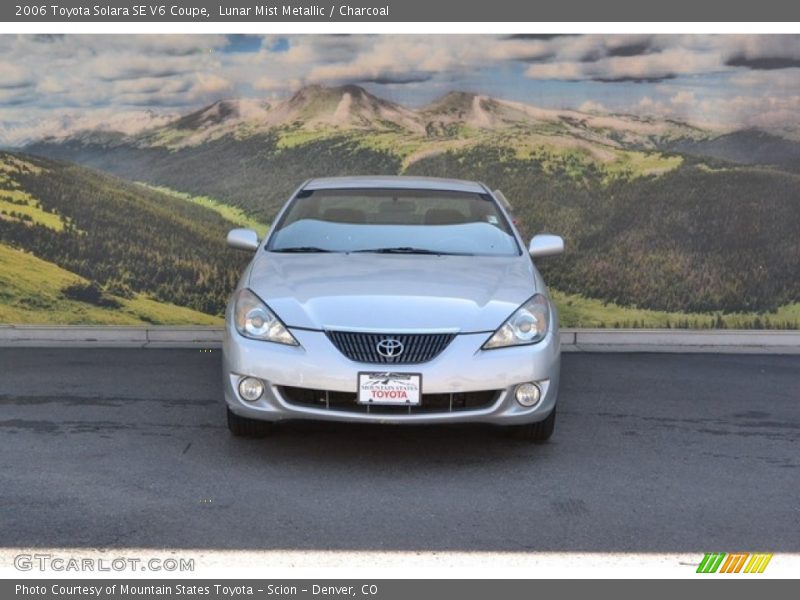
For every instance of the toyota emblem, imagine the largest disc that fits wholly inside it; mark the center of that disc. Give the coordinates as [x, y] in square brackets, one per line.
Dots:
[390, 348]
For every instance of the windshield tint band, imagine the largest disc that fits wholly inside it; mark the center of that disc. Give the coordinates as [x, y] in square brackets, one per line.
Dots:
[431, 221]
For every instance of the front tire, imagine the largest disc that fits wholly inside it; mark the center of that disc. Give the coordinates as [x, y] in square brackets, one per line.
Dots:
[539, 432]
[244, 427]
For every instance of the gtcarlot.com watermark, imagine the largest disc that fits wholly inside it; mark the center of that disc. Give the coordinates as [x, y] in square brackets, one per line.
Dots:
[118, 564]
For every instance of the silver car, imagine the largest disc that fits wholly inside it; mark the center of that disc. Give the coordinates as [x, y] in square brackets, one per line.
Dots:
[392, 300]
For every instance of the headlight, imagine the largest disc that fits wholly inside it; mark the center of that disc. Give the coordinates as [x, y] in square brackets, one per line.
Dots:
[254, 320]
[528, 325]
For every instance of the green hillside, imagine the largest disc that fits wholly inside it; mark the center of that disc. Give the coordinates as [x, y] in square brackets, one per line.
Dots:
[230, 213]
[127, 241]
[690, 240]
[255, 174]
[686, 238]
[32, 291]
[575, 310]
[258, 173]
[750, 147]
[647, 228]
[157, 246]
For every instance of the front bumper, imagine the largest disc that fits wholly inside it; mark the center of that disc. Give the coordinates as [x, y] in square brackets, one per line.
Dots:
[461, 368]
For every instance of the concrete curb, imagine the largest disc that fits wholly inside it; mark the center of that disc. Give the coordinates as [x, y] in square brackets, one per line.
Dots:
[572, 340]
[681, 340]
[102, 336]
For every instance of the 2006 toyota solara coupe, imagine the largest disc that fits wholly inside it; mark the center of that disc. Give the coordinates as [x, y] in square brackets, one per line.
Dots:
[392, 300]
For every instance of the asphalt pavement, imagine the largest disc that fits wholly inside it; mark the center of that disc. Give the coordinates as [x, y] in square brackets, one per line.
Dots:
[122, 448]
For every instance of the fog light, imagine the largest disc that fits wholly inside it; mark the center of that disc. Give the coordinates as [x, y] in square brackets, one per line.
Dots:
[251, 389]
[528, 394]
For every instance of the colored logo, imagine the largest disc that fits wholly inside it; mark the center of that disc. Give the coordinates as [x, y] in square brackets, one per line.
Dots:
[735, 562]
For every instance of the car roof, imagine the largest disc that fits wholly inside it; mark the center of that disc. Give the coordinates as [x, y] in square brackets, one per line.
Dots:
[399, 182]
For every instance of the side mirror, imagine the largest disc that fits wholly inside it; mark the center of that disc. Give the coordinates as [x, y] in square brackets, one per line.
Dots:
[243, 239]
[545, 244]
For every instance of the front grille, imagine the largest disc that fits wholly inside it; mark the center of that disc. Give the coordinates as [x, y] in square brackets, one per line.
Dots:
[347, 401]
[416, 347]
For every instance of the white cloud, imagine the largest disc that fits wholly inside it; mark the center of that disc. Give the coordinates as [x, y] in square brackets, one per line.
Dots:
[592, 106]
[63, 78]
[210, 85]
[646, 103]
[21, 130]
[683, 98]
[14, 76]
[272, 85]
[779, 79]
[755, 111]
[645, 67]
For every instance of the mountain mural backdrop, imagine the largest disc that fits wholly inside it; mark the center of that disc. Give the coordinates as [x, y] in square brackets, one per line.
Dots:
[667, 223]
[669, 163]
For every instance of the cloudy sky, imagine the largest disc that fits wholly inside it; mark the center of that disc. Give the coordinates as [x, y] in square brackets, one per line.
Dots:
[55, 83]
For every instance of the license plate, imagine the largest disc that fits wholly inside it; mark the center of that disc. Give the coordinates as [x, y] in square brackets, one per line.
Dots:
[401, 389]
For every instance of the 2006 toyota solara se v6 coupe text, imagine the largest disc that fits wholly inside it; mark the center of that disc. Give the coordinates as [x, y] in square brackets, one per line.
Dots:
[392, 300]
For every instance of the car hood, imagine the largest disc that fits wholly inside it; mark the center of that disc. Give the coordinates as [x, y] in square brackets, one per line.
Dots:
[392, 292]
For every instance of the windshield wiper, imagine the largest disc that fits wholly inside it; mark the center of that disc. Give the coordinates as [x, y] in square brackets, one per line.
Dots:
[299, 249]
[401, 250]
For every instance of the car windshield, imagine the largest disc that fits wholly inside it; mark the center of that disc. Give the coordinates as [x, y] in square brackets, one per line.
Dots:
[394, 221]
